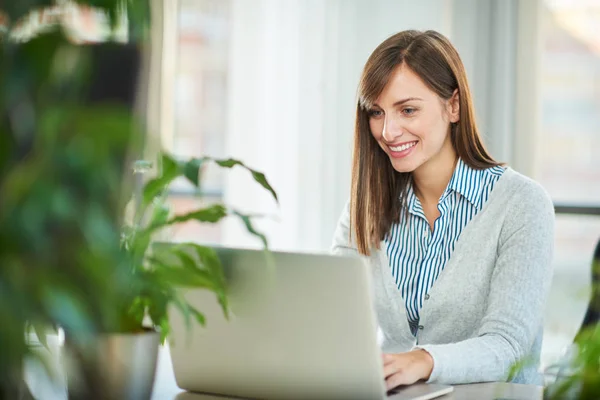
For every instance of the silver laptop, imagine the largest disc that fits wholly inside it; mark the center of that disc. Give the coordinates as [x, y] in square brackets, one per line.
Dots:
[302, 327]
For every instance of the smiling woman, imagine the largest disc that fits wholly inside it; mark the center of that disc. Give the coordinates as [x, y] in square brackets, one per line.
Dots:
[414, 100]
[457, 242]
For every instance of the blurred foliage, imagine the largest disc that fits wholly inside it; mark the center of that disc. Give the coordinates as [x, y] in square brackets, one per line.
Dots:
[62, 166]
[137, 11]
[581, 379]
[66, 258]
[160, 270]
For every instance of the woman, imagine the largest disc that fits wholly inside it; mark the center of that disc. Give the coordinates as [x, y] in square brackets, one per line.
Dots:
[460, 246]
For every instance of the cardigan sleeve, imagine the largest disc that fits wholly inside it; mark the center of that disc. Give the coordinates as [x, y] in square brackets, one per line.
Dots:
[342, 242]
[519, 287]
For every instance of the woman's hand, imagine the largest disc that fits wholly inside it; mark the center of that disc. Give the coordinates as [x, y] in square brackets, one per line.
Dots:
[406, 368]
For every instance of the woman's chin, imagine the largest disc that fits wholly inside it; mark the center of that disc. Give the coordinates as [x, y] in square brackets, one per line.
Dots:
[403, 166]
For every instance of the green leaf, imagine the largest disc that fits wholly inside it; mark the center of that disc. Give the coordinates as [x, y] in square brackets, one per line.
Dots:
[182, 277]
[160, 215]
[262, 180]
[258, 176]
[248, 223]
[210, 214]
[211, 261]
[191, 170]
[205, 271]
[139, 16]
[137, 310]
[142, 238]
[187, 261]
[19, 181]
[68, 311]
[200, 318]
[154, 187]
[157, 301]
[184, 308]
[188, 311]
[165, 329]
[519, 366]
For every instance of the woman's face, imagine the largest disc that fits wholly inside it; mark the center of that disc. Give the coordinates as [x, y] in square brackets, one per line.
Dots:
[411, 123]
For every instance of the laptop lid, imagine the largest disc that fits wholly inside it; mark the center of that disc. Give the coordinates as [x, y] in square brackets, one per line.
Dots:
[301, 327]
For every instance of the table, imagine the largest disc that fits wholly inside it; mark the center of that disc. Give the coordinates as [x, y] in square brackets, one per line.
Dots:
[165, 387]
[481, 391]
[497, 390]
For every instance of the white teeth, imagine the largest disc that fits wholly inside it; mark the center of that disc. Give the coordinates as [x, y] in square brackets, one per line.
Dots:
[403, 147]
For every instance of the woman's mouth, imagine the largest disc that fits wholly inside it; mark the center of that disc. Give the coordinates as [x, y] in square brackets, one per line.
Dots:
[402, 150]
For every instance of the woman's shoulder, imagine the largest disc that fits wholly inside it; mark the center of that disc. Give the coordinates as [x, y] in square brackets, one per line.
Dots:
[523, 189]
[522, 197]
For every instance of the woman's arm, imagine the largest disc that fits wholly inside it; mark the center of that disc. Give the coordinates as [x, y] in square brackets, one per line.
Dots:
[517, 298]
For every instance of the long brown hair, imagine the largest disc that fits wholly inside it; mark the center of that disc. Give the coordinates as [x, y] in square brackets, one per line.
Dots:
[378, 191]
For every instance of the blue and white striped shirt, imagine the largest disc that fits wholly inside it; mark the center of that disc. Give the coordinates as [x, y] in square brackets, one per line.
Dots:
[417, 255]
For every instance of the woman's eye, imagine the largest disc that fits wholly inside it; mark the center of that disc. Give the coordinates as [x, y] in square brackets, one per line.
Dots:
[408, 111]
[375, 113]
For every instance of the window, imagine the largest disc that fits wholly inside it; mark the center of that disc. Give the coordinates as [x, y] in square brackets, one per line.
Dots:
[569, 160]
[568, 148]
[200, 98]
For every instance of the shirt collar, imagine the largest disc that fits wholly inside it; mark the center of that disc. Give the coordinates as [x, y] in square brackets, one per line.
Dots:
[466, 181]
[412, 201]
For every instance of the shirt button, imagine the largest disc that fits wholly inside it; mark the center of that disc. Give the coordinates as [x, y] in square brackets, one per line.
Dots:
[426, 297]
[421, 327]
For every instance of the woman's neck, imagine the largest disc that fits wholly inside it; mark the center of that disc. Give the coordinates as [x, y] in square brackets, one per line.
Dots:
[431, 179]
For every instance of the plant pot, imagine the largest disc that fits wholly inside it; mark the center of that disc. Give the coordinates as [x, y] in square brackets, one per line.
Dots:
[112, 366]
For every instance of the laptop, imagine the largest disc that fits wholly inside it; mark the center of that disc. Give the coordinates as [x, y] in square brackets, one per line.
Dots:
[301, 327]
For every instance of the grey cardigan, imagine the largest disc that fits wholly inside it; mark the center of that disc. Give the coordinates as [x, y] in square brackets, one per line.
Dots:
[484, 313]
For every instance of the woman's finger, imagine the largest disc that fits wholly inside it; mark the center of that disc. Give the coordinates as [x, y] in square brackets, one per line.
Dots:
[402, 377]
[387, 358]
[394, 381]
[390, 369]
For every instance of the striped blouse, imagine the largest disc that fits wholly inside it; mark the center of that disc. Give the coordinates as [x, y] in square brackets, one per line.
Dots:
[417, 255]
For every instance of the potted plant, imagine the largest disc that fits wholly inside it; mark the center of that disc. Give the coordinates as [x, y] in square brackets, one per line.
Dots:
[126, 357]
[157, 278]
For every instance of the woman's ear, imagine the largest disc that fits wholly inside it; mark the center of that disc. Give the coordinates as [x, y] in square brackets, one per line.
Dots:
[453, 107]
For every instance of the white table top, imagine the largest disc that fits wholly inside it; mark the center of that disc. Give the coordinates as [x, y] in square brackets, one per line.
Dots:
[165, 387]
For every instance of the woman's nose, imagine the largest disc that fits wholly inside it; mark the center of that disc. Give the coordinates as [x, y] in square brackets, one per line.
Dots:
[392, 130]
